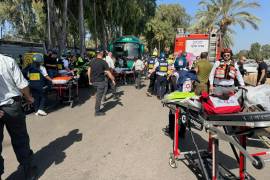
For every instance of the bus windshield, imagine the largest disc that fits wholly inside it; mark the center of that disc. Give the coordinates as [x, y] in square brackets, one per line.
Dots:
[129, 50]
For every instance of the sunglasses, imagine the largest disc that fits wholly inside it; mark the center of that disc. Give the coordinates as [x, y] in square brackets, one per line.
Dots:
[226, 55]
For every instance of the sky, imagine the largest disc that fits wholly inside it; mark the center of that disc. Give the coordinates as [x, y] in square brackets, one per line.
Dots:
[243, 37]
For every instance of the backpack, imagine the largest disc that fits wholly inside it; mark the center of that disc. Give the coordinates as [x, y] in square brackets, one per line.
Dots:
[215, 105]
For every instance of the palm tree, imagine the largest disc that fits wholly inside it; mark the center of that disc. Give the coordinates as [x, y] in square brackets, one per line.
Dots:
[223, 14]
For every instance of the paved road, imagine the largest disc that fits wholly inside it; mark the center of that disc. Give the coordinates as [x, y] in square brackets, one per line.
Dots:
[127, 144]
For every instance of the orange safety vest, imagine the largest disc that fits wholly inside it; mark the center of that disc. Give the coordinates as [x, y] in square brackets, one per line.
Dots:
[225, 71]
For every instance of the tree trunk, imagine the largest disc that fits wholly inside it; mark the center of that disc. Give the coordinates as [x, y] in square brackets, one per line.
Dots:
[95, 24]
[81, 27]
[63, 35]
[159, 46]
[49, 24]
[103, 25]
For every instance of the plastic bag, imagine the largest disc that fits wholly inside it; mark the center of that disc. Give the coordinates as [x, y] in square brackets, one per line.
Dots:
[259, 95]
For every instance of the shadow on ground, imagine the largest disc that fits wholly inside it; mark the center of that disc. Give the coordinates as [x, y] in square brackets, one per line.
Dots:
[53, 103]
[116, 101]
[53, 153]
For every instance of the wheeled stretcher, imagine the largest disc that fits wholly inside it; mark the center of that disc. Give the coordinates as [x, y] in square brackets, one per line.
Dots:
[67, 89]
[241, 125]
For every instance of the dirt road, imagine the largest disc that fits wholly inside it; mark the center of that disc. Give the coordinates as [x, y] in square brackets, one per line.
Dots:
[126, 144]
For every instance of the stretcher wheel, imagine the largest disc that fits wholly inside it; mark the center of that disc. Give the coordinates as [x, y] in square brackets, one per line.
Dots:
[259, 163]
[172, 161]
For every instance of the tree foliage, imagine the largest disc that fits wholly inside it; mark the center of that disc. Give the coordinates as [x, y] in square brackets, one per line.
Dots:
[256, 51]
[105, 20]
[259, 51]
[20, 15]
[161, 29]
[222, 14]
[116, 18]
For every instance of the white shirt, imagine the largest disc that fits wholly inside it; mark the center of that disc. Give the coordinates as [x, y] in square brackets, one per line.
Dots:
[66, 63]
[110, 62]
[11, 80]
[138, 65]
[225, 82]
[43, 71]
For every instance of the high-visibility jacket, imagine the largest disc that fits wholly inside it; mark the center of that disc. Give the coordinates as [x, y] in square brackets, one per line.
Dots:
[60, 64]
[225, 71]
[36, 78]
[151, 63]
[163, 66]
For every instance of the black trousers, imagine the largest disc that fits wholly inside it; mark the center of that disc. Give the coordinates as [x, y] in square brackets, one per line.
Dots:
[161, 84]
[14, 120]
[40, 99]
[108, 83]
[151, 87]
[100, 88]
[138, 75]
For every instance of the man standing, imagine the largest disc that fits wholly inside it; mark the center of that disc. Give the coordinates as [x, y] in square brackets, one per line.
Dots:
[51, 64]
[109, 60]
[241, 65]
[262, 70]
[138, 66]
[203, 68]
[151, 74]
[97, 71]
[12, 85]
[110, 63]
[161, 69]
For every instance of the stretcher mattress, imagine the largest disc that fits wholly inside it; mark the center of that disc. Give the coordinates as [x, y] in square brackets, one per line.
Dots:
[248, 119]
[61, 80]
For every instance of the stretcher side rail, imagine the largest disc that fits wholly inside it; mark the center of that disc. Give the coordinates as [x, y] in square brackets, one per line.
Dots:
[248, 119]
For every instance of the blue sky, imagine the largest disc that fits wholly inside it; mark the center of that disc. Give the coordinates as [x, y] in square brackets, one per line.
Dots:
[243, 37]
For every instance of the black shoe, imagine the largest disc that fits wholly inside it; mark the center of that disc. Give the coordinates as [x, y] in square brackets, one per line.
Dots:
[166, 131]
[31, 173]
[115, 97]
[100, 113]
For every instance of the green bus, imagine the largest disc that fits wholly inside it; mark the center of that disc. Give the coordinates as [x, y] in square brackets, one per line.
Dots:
[127, 47]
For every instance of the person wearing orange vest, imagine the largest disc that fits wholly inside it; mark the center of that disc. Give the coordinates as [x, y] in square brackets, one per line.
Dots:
[223, 75]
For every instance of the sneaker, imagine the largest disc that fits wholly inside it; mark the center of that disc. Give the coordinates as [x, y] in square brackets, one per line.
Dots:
[41, 113]
[100, 113]
[149, 94]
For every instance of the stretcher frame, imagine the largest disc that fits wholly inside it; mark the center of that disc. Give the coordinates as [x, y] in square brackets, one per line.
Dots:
[62, 88]
[215, 134]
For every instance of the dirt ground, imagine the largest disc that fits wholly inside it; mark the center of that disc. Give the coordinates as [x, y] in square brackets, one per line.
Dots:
[126, 144]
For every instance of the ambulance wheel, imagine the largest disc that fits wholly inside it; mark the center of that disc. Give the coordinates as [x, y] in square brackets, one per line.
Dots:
[259, 163]
[172, 161]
